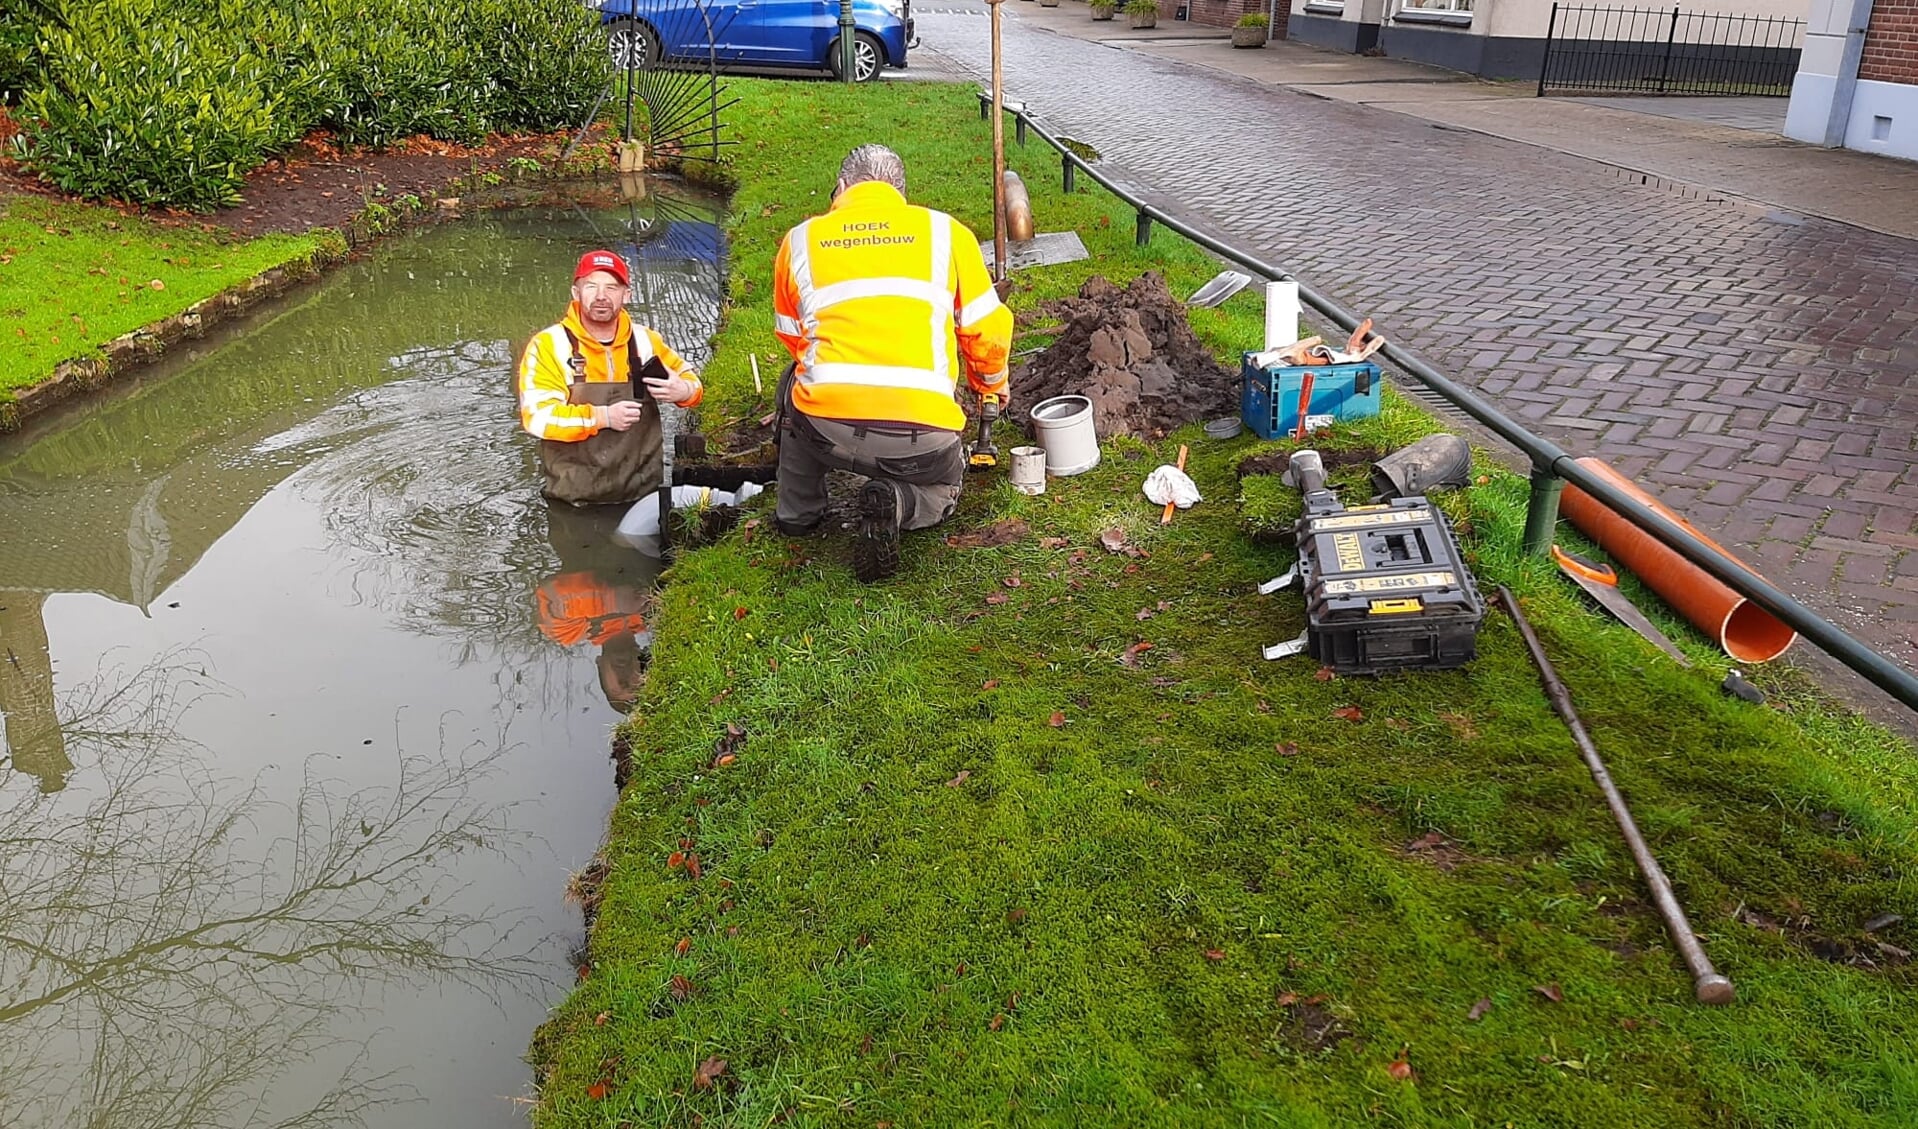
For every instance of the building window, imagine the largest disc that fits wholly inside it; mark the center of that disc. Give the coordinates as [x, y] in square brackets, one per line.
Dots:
[1461, 6]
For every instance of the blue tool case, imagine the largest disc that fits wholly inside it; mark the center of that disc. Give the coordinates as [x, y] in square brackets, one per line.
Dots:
[1269, 399]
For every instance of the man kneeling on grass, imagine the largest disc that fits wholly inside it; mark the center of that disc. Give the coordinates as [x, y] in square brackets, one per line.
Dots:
[879, 302]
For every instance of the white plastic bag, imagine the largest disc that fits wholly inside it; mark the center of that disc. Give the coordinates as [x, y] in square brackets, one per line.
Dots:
[1170, 484]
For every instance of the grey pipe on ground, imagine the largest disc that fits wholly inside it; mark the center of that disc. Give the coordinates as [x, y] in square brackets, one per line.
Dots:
[1707, 983]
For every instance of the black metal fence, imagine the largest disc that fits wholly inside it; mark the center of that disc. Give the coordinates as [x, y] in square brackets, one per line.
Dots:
[1668, 51]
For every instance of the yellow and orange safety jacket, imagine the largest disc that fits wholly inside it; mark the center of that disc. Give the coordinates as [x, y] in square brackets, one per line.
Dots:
[563, 354]
[879, 301]
[577, 607]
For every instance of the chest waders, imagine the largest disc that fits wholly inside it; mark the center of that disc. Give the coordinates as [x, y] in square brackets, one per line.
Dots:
[611, 467]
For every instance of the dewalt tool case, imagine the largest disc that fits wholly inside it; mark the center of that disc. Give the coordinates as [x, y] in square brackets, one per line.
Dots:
[1384, 586]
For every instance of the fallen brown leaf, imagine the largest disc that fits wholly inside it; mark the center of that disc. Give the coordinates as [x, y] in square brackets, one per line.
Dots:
[1401, 1069]
[725, 759]
[964, 775]
[990, 684]
[597, 1091]
[709, 1073]
[1113, 539]
[1324, 674]
[684, 946]
[1287, 999]
[1014, 917]
[1349, 713]
[1012, 582]
[998, 1021]
[1054, 542]
[865, 1046]
[1215, 954]
[1398, 723]
[602, 1018]
[675, 860]
[1130, 656]
[997, 598]
[680, 989]
[692, 867]
[1551, 992]
[740, 613]
[1287, 749]
[1057, 720]
[1479, 1009]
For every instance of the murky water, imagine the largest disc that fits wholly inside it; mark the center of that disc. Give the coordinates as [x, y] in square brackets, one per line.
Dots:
[307, 702]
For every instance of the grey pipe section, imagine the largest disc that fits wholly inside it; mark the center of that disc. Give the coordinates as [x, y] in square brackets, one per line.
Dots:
[1707, 984]
[1550, 458]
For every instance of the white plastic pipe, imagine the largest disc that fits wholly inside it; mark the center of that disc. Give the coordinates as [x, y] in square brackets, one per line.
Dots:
[1281, 313]
[643, 519]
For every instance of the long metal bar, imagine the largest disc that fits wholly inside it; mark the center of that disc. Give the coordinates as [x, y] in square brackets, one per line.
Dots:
[999, 267]
[1707, 984]
[1549, 457]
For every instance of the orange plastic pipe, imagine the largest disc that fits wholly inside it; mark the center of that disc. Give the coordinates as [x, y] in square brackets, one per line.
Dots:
[1748, 632]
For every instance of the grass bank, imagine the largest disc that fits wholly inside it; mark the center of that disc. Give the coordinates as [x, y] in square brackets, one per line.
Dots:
[1031, 834]
[79, 275]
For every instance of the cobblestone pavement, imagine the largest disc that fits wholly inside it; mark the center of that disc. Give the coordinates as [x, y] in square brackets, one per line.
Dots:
[1758, 371]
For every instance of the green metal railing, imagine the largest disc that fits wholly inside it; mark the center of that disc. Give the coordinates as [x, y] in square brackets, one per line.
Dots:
[1552, 465]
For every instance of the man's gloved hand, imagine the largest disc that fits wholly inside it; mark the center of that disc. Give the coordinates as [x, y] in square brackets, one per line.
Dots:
[620, 416]
[672, 390]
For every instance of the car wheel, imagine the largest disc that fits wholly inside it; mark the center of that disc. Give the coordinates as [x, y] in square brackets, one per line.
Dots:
[868, 57]
[631, 43]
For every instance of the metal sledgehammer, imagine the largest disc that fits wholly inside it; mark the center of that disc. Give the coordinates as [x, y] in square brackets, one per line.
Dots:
[1708, 985]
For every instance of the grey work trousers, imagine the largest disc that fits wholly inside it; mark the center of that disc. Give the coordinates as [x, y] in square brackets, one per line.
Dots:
[925, 463]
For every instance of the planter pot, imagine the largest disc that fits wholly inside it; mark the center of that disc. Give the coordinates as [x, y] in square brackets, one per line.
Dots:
[1139, 21]
[1248, 37]
[1102, 13]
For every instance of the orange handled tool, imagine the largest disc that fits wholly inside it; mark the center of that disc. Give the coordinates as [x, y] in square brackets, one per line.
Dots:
[1600, 582]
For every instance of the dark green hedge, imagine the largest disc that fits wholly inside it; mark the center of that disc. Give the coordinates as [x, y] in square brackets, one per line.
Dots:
[174, 101]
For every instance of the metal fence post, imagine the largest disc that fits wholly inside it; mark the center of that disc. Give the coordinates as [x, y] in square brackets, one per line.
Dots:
[1065, 159]
[1019, 131]
[1545, 63]
[1665, 68]
[1142, 233]
[1541, 510]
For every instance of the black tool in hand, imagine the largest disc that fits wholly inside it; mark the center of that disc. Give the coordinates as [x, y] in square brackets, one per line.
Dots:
[985, 454]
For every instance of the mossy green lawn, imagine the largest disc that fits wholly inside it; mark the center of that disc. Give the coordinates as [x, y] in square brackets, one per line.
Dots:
[78, 275]
[982, 858]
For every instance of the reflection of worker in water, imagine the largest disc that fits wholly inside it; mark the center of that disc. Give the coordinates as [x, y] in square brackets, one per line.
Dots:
[600, 441]
[599, 596]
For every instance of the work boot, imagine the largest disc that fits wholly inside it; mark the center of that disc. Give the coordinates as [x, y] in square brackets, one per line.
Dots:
[875, 551]
[795, 528]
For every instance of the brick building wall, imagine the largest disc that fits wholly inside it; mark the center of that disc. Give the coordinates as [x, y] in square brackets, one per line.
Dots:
[1891, 43]
[1225, 13]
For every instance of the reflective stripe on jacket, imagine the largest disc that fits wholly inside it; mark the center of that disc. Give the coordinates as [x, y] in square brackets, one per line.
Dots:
[550, 363]
[878, 301]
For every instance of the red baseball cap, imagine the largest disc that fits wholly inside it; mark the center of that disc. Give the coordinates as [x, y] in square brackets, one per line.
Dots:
[603, 260]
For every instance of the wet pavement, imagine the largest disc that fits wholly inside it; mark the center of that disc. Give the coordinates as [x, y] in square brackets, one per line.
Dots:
[307, 701]
[1755, 368]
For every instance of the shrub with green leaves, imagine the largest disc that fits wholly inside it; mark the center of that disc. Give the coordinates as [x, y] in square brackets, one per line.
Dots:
[175, 101]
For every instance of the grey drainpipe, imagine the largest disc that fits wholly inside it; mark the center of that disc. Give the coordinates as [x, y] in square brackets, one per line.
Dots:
[1846, 84]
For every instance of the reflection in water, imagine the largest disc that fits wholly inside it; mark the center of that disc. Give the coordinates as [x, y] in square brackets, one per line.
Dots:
[155, 938]
[231, 599]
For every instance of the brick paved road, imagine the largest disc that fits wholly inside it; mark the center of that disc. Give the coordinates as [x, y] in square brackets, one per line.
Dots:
[1758, 371]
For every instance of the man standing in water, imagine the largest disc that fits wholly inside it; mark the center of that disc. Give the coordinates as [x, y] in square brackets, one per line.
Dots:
[600, 442]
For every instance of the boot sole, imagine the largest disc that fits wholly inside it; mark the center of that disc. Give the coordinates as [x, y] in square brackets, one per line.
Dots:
[875, 553]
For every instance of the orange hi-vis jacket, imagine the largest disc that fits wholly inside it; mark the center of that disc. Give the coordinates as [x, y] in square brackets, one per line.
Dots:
[878, 301]
[551, 363]
[576, 607]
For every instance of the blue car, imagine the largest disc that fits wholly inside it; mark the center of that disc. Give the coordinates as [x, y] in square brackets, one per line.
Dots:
[756, 33]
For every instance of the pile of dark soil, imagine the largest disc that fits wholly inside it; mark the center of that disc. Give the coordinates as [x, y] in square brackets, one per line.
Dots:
[1133, 354]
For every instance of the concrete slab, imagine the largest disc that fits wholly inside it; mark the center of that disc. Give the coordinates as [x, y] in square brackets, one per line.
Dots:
[1765, 115]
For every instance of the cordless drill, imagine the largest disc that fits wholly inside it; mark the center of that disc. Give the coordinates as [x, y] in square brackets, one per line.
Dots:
[985, 454]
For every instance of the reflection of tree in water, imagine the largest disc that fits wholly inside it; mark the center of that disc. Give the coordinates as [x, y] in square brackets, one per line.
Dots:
[156, 935]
